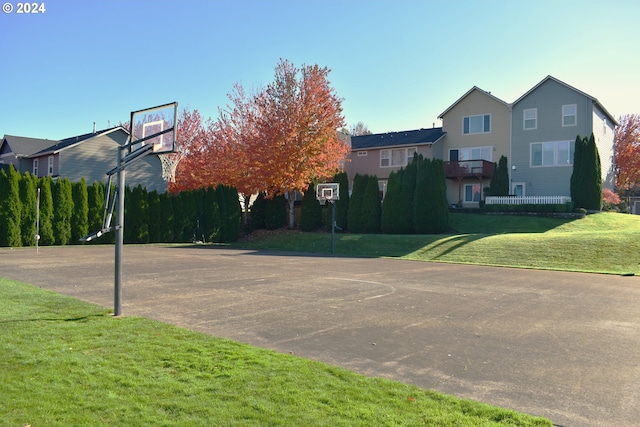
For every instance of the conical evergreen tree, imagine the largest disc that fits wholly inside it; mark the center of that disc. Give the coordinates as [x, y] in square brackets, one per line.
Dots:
[371, 209]
[10, 208]
[80, 215]
[499, 184]
[28, 197]
[422, 197]
[63, 211]
[355, 203]
[592, 175]
[47, 234]
[390, 204]
[577, 179]
[404, 220]
[310, 211]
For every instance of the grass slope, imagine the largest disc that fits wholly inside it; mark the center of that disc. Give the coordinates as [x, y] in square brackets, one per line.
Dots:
[598, 243]
[64, 362]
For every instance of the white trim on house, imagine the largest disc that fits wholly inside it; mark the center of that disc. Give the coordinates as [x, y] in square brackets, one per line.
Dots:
[570, 110]
[531, 117]
[551, 154]
[469, 128]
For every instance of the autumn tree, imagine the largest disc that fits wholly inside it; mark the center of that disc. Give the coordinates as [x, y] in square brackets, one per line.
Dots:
[627, 153]
[298, 122]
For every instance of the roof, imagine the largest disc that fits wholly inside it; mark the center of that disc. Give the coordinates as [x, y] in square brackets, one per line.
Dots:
[22, 146]
[390, 139]
[595, 101]
[467, 94]
[71, 141]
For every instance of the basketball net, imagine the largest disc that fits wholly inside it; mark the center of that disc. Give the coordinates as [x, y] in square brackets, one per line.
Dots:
[169, 164]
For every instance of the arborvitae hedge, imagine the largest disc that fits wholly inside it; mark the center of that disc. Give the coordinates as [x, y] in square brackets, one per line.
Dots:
[390, 204]
[355, 203]
[371, 210]
[79, 210]
[310, 211]
[499, 184]
[275, 215]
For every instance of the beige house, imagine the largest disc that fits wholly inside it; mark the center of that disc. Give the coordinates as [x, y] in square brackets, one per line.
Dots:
[477, 130]
[382, 153]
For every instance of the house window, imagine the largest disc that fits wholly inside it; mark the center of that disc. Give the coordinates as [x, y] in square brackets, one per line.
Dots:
[569, 115]
[362, 154]
[472, 153]
[50, 166]
[555, 153]
[530, 117]
[476, 124]
[472, 193]
[35, 167]
[397, 157]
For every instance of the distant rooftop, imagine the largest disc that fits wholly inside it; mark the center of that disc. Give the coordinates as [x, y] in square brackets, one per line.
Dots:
[389, 139]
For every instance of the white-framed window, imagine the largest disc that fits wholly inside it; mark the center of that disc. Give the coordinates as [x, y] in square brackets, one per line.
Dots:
[553, 153]
[472, 193]
[362, 154]
[397, 157]
[471, 153]
[476, 124]
[50, 166]
[569, 115]
[35, 167]
[530, 118]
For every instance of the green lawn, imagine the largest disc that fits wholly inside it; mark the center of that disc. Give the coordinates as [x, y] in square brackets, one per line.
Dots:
[64, 362]
[598, 243]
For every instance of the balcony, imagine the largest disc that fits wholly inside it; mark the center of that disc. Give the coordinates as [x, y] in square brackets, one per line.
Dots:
[468, 169]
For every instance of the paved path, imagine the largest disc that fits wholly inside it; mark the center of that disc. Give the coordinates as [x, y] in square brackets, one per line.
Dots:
[561, 345]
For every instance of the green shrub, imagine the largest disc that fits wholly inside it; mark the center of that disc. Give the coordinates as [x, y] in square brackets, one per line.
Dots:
[310, 211]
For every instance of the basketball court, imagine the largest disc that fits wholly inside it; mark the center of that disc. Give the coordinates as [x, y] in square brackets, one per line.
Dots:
[560, 345]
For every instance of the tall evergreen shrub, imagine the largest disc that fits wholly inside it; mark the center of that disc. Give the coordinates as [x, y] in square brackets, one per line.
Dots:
[310, 211]
[371, 210]
[275, 216]
[80, 216]
[10, 208]
[355, 203]
[28, 200]
[63, 211]
[47, 234]
[390, 204]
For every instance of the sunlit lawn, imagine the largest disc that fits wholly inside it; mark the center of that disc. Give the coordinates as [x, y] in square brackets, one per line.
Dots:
[601, 243]
[69, 363]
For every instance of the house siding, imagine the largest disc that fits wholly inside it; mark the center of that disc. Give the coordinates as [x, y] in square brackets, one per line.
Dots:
[548, 99]
[476, 102]
[603, 131]
[93, 158]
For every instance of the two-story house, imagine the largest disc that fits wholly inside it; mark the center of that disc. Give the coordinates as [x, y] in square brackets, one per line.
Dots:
[89, 156]
[477, 130]
[545, 123]
[536, 133]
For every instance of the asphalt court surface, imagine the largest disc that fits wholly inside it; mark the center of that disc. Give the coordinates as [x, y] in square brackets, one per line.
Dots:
[565, 346]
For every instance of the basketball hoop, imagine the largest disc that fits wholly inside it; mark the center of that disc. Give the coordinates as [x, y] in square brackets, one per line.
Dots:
[169, 164]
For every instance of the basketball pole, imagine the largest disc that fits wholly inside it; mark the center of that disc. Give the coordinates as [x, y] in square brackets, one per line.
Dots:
[117, 282]
[333, 226]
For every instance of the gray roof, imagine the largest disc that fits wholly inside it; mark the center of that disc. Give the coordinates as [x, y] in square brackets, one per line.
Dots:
[391, 139]
[58, 146]
[21, 146]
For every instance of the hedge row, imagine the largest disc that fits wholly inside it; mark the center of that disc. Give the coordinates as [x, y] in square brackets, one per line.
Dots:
[69, 211]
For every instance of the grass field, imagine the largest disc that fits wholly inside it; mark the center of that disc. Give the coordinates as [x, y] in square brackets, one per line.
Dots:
[64, 362]
[598, 243]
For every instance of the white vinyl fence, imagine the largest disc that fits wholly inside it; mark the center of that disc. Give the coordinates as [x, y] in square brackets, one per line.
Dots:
[527, 200]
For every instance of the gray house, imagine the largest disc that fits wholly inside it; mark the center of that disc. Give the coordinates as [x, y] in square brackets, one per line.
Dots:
[545, 123]
[87, 156]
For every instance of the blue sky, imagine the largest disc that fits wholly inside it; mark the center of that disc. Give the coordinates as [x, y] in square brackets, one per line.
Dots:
[397, 64]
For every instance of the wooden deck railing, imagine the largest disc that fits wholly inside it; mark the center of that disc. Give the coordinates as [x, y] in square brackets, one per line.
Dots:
[468, 169]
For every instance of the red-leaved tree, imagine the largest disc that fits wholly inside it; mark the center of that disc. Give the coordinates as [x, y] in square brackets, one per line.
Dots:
[300, 114]
[627, 153]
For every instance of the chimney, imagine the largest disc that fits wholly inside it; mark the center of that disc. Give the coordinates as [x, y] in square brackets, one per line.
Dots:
[94, 127]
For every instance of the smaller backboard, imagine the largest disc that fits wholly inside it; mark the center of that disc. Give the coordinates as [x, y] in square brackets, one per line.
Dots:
[155, 126]
[329, 191]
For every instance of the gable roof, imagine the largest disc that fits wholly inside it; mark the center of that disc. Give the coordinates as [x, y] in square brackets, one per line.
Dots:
[475, 88]
[23, 147]
[595, 101]
[391, 139]
[72, 141]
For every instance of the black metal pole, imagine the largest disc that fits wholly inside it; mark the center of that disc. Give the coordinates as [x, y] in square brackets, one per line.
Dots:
[117, 285]
[333, 226]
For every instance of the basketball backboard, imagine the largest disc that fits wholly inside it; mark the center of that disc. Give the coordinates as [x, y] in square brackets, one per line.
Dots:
[155, 126]
[328, 191]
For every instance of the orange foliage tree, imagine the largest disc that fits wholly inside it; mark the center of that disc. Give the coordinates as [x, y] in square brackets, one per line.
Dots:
[627, 153]
[300, 114]
[194, 141]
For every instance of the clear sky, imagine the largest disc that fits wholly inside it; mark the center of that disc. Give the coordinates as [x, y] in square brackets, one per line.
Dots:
[397, 64]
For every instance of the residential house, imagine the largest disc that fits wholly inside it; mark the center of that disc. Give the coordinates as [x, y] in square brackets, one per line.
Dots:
[89, 156]
[382, 153]
[545, 123]
[536, 134]
[477, 130]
